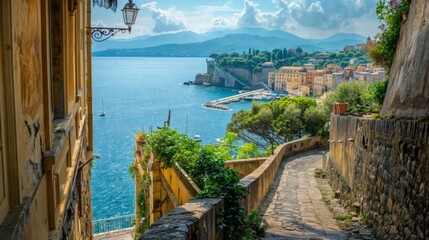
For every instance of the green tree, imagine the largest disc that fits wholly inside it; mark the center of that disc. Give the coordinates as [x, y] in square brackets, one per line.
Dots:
[315, 119]
[268, 125]
[248, 150]
[255, 126]
[289, 123]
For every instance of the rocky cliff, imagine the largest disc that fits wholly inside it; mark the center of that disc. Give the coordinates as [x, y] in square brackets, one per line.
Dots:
[408, 91]
[230, 77]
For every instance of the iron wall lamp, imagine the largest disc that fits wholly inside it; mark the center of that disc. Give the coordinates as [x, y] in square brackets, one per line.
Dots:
[129, 13]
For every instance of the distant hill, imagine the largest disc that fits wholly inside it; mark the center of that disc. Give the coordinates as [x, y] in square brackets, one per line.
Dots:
[150, 41]
[190, 44]
[339, 37]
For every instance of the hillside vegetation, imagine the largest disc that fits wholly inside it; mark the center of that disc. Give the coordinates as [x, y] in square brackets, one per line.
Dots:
[253, 59]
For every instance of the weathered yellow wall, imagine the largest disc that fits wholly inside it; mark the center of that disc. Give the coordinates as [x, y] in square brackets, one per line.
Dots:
[37, 154]
[181, 184]
[169, 187]
[27, 77]
[38, 227]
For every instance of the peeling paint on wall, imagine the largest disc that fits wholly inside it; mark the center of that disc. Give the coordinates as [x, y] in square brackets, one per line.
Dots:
[33, 154]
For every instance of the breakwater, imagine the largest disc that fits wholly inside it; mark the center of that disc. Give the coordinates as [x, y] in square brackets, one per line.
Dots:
[256, 95]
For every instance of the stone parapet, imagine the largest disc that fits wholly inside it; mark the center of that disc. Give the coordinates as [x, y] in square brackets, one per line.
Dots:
[197, 219]
[245, 166]
[259, 182]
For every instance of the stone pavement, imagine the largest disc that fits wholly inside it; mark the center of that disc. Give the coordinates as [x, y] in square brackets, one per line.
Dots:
[123, 234]
[294, 208]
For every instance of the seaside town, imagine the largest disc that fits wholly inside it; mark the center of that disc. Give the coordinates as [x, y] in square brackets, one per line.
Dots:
[305, 80]
[308, 81]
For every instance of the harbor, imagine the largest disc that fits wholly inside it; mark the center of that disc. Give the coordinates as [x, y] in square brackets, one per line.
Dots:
[257, 95]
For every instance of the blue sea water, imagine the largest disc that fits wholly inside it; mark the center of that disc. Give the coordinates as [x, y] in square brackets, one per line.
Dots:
[137, 93]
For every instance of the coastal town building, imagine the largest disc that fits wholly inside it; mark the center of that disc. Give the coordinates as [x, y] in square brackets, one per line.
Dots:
[310, 78]
[310, 66]
[290, 79]
[333, 68]
[287, 79]
[319, 86]
[45, 120]
[337, 79]
[354, 47]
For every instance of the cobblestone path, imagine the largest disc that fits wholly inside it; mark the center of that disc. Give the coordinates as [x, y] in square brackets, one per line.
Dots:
[293, 208]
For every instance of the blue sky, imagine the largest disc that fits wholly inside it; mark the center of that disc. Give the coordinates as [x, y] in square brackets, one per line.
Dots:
[305, 18]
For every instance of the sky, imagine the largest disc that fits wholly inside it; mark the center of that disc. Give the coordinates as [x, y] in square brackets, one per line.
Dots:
[305, 18]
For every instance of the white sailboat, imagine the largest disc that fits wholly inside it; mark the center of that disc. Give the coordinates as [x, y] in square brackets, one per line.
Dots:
[102, 114]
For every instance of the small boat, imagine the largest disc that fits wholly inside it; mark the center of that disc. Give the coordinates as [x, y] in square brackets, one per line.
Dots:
[102, 114]
[197, 138]
[188, 83]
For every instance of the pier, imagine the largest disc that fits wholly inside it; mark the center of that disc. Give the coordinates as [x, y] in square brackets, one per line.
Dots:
[216, 104]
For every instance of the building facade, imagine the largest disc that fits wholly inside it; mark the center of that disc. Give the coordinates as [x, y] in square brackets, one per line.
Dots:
[319, 85]
[287, 79]
[311, 74]
[45, 119]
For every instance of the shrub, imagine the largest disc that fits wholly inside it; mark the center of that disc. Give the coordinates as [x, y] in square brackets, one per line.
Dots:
[378, 91]
[390, 13]
[207, 170]
[361, 96]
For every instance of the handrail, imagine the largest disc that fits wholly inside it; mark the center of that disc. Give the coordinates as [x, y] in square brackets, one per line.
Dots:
[114, 223]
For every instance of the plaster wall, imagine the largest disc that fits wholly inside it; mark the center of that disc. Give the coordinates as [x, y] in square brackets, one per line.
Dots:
[408, 89]
[181, 184]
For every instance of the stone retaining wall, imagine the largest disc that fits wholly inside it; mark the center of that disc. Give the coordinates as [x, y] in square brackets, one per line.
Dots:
[197, 219]
[383, 165]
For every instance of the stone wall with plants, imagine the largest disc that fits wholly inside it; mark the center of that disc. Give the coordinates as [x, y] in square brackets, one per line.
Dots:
[382, 167]
[202, 217]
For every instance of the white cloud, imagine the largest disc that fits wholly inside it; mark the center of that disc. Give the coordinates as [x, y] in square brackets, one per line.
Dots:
[315, 7]
[250, 16]
[221, 23]
[165, 20]
[307, 18]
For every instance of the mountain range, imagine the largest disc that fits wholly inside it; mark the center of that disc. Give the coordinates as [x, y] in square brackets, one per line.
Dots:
[191, 44]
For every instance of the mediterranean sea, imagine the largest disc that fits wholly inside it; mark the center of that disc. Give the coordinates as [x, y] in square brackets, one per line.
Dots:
[137, 93]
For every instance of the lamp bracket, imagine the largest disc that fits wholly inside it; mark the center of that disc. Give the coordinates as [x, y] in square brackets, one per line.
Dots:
[100, 34]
